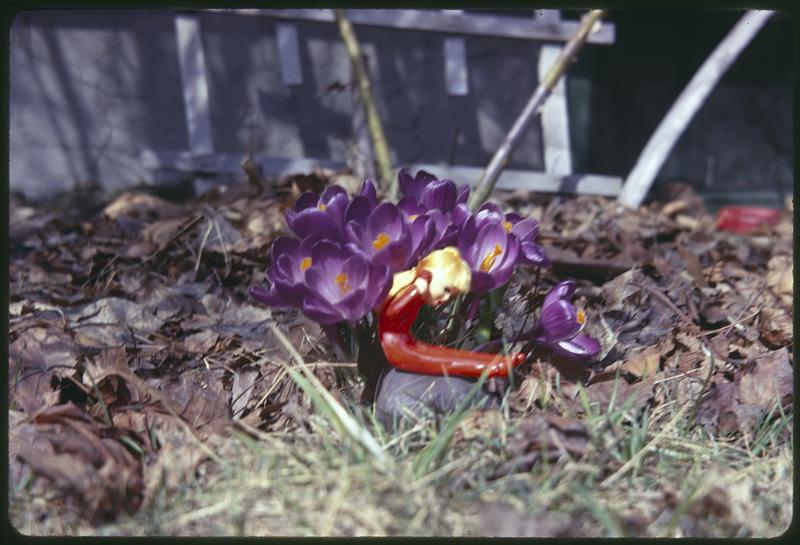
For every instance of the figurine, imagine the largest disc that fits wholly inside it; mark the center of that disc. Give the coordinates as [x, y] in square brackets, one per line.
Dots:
[435, 279]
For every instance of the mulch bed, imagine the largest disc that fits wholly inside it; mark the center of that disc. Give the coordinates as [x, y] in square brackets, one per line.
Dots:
[132, 339]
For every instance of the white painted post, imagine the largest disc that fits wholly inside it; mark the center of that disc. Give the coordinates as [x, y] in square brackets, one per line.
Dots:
[555, 119]
[455, 66]
[195, 85]
[289, 53]
[685, 107]
[455, 61]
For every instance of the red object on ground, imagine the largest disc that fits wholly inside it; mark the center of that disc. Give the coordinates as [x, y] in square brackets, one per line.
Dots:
[408, 354]
[745, 219]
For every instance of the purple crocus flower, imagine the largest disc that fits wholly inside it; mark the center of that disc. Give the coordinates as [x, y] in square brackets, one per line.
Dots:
[426, 190]
[342, 286]
[491, 252]
[560, 325]
[412, 187]
[361, 206]
[290, 259]
[322, 214]
[385, 238]
[443, 231]
[524, 229]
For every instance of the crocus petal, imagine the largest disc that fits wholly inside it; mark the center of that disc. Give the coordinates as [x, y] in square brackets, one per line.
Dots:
[395, 254]
[449, 237]
[489, 212]
[481, 282]
[355, 235]
[308, 199]
[410, 207]
[269, 297]
[439, 194]
[513, 218]
[462, 194]
[502, 273]
[307, 244]
[284, 246]
[327, 258]
[320, 311]
[422, 232]
[466, 240]
[358, 210]
[490, 237]
[380, 282]
[287, 268]
[352, 307]
[460, 214]
[408, 185]
[532, 254]
[580, 347]
[559, 320]
[331, 192]
[525, 230]
[386, 218]
[322, 285]
[290, 292]
[562, 290]
[290, 215]
[356, 269]
[314, 221]
[368, 191]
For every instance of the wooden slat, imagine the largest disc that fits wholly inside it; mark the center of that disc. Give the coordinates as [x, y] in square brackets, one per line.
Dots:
[548, 15]
[542, 182]
[455, 66]
[195, 86]
[289, 54]
[230, 163]
[435, 21]
[586, 184]
[555, 118]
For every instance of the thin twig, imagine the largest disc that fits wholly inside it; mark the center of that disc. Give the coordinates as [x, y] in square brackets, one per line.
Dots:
[589, 24]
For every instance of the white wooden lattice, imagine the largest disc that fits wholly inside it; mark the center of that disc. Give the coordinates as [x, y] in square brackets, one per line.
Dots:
[546, 25]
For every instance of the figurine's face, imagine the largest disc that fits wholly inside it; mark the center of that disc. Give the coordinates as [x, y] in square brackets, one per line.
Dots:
[436, 292]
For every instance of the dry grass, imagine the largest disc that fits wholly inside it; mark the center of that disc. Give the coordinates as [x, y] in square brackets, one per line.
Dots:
[645, 473]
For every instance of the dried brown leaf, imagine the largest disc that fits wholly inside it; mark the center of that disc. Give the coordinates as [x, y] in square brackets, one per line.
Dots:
[548, 437]
[142, 206]
[644, 363]
[769, 382]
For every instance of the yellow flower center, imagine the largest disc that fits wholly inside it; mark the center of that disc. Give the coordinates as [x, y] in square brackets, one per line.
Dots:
[508, 226]
[322, 206]
[491, 256]
[380, 241]
[306, 263]
[412, 217]
[341, 281]
[581, 317]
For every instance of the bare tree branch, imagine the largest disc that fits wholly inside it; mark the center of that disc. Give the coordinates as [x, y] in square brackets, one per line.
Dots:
[589, 23]
[379, 143]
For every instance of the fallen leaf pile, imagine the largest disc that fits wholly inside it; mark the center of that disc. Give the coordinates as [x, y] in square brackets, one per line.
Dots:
[133, 343]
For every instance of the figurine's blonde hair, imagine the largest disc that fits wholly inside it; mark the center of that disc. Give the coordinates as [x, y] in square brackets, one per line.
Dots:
[445, 263]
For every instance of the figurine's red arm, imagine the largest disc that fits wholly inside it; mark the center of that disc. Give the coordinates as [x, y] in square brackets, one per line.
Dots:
[408, 354]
